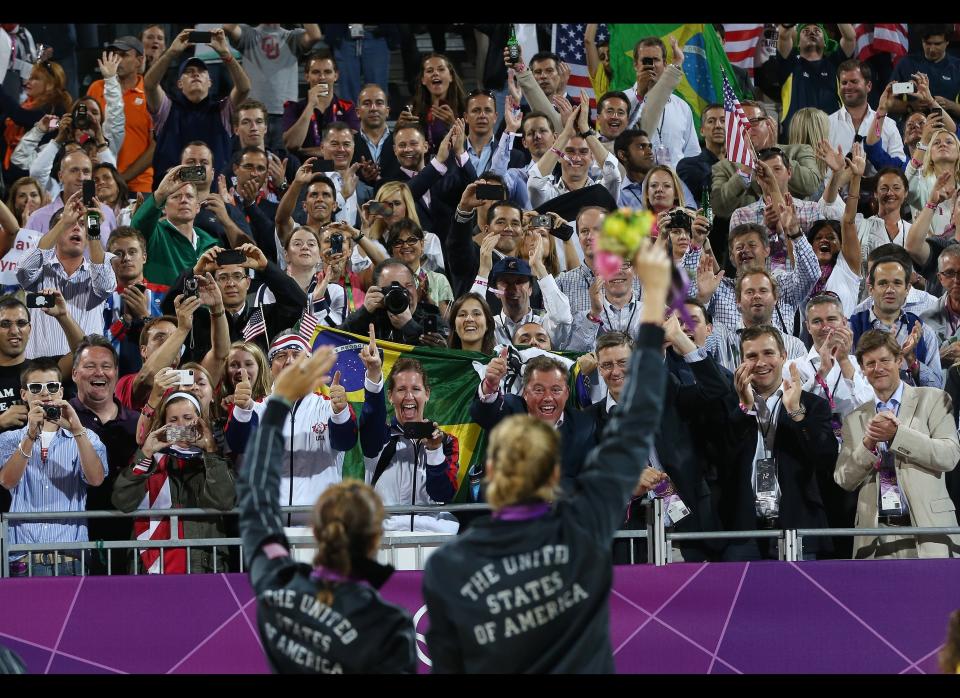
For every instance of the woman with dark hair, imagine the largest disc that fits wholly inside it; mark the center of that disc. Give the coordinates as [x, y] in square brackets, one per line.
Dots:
[473, 325]
[336, 603]
[178, 466]
[527, 589]
[112, 191]
[440, 99]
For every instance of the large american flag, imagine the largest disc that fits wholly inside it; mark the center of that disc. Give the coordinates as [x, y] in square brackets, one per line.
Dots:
[740, 44]
[737, 125]
[568, 44]
[881, 38]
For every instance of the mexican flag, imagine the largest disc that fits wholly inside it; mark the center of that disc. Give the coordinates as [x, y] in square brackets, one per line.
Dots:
[453, 380]
[703, 60]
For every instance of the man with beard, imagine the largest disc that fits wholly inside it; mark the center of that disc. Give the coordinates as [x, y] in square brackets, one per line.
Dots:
[634, 151]
[855, 118]
[808, 73]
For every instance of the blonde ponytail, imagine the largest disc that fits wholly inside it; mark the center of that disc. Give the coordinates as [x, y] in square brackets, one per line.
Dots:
[524, 453]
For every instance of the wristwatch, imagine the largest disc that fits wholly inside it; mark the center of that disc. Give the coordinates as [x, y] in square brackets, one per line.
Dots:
[797, 236]
[586, 134]
[799, 412]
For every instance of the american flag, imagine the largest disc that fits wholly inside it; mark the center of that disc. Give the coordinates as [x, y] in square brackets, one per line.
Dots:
[881, 38]
[255, 325]
[740, 44]
[568, 44]
[308, 325]
[738, 147]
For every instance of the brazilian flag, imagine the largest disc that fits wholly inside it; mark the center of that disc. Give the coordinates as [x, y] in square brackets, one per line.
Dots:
[703, 61]
[453, 383]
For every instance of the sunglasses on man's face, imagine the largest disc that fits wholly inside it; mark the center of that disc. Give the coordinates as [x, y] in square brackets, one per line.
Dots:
[37, 388]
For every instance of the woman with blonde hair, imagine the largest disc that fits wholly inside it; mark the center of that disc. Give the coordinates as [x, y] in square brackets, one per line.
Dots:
[395, 202]
[809, 126]
[942, 157]
[541, 556]
[337, 600]
[26, 196]
[246, 361]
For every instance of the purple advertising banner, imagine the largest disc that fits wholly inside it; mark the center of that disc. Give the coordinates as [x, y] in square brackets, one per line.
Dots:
[731, 618]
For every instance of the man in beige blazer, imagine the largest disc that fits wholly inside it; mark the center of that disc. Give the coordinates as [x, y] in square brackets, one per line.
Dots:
[916, 427]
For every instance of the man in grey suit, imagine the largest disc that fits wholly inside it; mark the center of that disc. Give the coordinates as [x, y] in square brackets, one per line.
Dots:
[896, 449]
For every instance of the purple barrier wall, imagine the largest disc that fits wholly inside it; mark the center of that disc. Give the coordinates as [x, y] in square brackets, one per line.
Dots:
[812, 617]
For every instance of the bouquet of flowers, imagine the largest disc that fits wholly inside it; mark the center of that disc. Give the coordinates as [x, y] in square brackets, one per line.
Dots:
[623, 232]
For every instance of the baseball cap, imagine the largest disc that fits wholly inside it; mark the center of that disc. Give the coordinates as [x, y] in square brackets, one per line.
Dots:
[192, 61]
[125, 43]
[510, 265]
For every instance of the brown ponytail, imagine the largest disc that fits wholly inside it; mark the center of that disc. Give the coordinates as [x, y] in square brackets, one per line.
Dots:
[347, 522]
[524, 453]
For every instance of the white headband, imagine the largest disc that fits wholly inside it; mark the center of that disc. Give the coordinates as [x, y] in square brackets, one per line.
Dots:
[185, 396]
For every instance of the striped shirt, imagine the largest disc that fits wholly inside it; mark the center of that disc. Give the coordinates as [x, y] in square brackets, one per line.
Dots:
[575, 285]
[795, 286]
[85, 292]
[57, 484]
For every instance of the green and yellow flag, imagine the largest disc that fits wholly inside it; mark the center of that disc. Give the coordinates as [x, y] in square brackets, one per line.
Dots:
[703, 60]
[453, 384]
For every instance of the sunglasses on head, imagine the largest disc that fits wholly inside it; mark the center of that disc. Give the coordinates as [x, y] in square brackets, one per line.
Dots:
[37, 388]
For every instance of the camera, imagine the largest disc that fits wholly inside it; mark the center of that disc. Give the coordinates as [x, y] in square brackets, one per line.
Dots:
[81, 119]
[191, 287]
[680, 219]
[904, 88]
[89, 192]
[647, 60]
[430, 324]
[541, 222]
[336, 243]
[186, 376]
[396, 298]
[231, 257]
[51, 413]
[182, 433]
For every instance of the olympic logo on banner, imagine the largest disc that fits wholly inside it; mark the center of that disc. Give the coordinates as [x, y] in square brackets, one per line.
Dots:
[421, 638]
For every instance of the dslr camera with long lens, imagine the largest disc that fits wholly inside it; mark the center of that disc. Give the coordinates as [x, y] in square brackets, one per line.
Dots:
[396, 298]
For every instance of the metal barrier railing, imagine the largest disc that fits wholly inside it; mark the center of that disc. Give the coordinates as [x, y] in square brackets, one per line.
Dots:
[659, 539]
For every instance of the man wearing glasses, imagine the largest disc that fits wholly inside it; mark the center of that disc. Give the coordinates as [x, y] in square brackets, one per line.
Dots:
[47, 466]
[729, 191]
[944, 319]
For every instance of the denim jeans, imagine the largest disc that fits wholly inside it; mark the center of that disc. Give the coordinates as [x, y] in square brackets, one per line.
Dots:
[65, 569]
[374, 61]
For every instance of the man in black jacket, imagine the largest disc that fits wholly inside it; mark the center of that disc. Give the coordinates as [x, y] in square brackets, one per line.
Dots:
[545, 396]
[676, 456]
[418, 322]
[234, 282]
[780, 437]
[374, 147]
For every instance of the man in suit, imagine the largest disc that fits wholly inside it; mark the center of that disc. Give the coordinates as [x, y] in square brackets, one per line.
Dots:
[545, 396]
[779, 436]
[675, 457]
[374, 148]
[896, 449]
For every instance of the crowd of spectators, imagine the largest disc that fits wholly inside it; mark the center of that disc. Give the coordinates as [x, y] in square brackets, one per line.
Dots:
[167, 235]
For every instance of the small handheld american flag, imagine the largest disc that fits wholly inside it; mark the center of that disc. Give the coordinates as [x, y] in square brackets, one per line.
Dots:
[308, 325]
[739, 149]
[255, 325]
